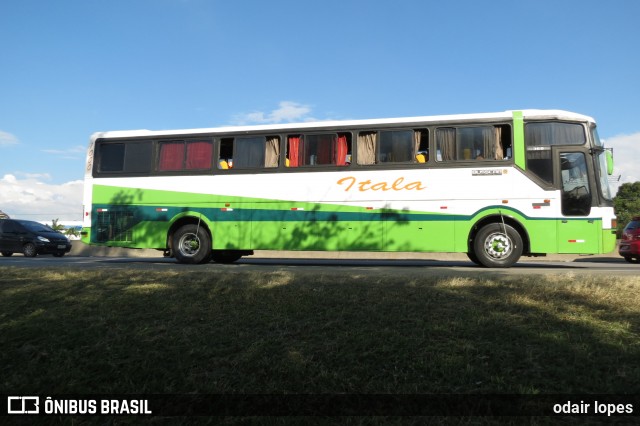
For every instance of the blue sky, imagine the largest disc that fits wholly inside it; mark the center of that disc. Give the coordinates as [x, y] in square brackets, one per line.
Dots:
[71, 68]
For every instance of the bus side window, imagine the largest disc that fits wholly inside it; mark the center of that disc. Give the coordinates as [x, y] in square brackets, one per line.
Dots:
[225, 159]
[272, 152]
[397, 146]
[540, 136]
[343, 149]
[293, 150]
[251, 152]
[446, 143]
[367, 147]
[180, 155]
[319, 149]
[473, 143]
[422, 145]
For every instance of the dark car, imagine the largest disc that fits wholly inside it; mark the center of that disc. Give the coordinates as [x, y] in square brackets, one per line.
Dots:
[31, 239]
[630, 244]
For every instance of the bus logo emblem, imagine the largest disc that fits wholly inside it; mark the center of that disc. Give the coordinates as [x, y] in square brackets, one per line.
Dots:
[485, 172]
[367, 185]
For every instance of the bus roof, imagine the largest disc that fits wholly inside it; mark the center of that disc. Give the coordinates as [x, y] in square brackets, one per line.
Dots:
[527, 114]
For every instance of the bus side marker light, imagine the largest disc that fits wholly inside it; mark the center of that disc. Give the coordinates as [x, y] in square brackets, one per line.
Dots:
[162, 210]
[295, 209]
[224, 209]
[576, 241]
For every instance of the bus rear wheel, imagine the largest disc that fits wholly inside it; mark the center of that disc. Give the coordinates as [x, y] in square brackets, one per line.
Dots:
[191, 245]
[497, 245]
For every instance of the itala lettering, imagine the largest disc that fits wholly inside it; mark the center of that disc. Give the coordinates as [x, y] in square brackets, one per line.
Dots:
[350, 182]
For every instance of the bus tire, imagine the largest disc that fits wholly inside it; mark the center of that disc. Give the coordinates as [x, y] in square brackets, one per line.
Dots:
[191, 245]
[472, 257]
[494, 249]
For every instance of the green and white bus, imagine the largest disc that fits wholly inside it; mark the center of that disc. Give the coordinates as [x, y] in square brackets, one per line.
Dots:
[495, 186]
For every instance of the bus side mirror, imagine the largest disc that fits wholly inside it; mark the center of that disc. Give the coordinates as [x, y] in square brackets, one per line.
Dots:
[609, 156]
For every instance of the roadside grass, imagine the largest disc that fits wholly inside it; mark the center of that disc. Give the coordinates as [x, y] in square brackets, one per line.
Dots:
[207, 332]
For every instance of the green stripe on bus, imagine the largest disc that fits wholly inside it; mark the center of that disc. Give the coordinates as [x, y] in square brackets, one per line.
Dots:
[519, 148]
[384, 229]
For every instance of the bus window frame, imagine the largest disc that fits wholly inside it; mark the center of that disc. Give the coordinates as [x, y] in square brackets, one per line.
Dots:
[125, 142]
[284, 148]
[392, 164]
[183, 171]
[471, 162]
[556, 184]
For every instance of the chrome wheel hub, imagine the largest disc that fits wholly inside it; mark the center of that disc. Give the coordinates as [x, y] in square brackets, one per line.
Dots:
[498, 245]
[189, 245]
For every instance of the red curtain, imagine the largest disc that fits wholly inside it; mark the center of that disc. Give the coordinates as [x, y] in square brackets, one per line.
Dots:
[199, 155]
[341, 151]
[294, 151]
[171, 156]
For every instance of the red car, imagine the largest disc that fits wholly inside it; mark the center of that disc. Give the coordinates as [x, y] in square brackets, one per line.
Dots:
[630, 244]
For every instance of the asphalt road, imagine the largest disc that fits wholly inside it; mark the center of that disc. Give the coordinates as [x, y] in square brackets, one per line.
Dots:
[451, 265]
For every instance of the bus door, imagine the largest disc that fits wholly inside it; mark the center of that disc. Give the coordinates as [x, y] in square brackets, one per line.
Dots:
[577, 232]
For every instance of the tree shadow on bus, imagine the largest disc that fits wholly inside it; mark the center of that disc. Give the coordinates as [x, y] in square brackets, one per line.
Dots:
[318, 229]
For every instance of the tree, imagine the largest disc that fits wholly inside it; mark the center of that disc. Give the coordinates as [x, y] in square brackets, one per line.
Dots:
[627, 204]
[72, 232]
[56, 226]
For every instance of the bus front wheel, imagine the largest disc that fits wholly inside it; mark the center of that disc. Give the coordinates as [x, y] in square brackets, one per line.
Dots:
[497, 245]
[191, 245]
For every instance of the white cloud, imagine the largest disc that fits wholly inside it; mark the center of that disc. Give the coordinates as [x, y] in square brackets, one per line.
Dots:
[45, 176]
[626, 156]
[7, 139]
[73, 153]
[286, 112]
[78, 149]
[31, 198]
